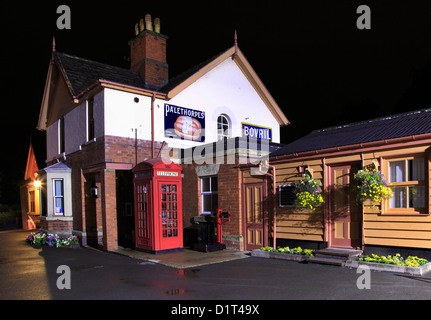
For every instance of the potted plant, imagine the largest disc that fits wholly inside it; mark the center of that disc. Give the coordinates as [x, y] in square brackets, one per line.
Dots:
[308, 193]
[372, 186]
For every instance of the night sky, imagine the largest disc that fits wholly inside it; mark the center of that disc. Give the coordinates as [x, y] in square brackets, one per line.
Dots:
[320, 68]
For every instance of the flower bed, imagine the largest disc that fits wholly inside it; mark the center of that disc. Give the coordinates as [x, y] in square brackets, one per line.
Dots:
[396, 260]
[52, 240]
[297, 250]
[294, 254]
[411, 265]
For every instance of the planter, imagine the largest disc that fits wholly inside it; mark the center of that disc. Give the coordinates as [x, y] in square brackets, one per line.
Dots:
[390, 267]
[278, 255]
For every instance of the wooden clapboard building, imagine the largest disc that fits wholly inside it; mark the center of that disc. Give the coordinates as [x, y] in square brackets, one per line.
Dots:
[397, 145]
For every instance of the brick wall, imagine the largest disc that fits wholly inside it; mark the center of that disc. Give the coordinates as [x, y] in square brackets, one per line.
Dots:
[191, 194]
[229, 199]
[128, 150]
[148, 57]
[109, 211]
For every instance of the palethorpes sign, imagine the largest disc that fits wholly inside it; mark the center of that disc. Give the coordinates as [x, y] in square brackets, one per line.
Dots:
[184, 123]
[256, 132]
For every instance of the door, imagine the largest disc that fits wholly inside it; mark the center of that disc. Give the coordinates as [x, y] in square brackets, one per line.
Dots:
[345, 218]
[143, 218]
[254, 220]
[170, 216]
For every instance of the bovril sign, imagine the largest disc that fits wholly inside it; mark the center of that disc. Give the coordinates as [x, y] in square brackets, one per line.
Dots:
[256, 132]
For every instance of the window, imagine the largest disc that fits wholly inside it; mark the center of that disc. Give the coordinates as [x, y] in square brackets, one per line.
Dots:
[286, 195]
[407, 180]
[90, 119]
[32, 199]
[58, 194]
[61, 141]
[209, 195]
[223, 127]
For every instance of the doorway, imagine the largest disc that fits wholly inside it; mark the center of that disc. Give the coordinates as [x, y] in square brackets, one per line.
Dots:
[345, 214]
[125, 211]
[254, 194]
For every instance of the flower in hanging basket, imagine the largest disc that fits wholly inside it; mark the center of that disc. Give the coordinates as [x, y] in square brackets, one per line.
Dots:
[308, 193]
[372, 186]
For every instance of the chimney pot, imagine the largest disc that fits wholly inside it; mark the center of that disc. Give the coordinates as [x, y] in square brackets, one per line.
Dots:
[141, 25]
[148, 22]
[157, 25]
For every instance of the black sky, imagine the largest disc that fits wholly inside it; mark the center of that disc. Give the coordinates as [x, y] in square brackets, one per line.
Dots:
[320, 68]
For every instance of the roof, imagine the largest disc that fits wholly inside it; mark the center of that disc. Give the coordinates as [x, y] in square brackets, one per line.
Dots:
[82, 73]
[58, 166]
[179, 83]
[385, 128]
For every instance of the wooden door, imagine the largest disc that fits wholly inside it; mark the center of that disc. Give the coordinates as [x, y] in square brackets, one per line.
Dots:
[254, 219]
[345, 218]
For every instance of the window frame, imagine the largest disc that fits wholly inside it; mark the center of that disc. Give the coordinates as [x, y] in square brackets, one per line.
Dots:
[55, 196]
[32, 201]
[90, 129]
[225, 133]
[387, 210]
[211, 192]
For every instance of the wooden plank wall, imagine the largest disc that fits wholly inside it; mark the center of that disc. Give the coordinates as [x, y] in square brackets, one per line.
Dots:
[395, 230]
[378, 228]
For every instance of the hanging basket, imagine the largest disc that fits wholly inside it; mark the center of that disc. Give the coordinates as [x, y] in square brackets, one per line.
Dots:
[308, 193]
[372, 186]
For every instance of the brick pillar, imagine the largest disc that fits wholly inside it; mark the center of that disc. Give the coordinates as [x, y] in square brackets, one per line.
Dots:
[109, 211]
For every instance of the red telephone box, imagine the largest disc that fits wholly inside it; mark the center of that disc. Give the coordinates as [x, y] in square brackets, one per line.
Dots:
[158, 206]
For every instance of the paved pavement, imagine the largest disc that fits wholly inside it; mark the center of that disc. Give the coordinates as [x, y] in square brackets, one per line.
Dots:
[30, 273]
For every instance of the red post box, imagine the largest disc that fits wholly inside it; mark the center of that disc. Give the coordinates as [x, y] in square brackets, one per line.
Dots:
[158, 206]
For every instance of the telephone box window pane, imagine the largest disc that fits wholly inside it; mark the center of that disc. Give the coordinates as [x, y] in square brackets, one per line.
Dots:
[169, 213]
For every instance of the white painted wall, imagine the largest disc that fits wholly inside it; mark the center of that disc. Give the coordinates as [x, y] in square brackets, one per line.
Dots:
[123, 115]
[223, 90]
[75, 128]
[52, 141]
[226, 90]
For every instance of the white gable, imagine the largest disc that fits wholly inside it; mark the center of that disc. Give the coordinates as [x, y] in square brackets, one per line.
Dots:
[223, 90]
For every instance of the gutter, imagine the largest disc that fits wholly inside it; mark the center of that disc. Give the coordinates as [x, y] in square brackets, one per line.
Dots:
[336, 151]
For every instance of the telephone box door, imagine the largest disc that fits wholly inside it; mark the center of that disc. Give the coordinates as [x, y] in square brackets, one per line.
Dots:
[143, 217]
[170, 215]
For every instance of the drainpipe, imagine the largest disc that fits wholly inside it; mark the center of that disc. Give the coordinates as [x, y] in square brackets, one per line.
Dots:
[274, 189]
[153, 98]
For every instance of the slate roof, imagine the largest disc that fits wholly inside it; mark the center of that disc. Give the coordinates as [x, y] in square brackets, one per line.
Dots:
[384, 128]
[82, 73]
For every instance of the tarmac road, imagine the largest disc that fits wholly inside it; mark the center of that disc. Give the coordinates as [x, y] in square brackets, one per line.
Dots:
[27, 273]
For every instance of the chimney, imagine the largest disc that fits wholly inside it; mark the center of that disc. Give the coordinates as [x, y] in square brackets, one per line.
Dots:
[148, 53]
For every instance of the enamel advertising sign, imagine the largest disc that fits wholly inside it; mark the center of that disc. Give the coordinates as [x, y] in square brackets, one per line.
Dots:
[183, 123]
[256, 132]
